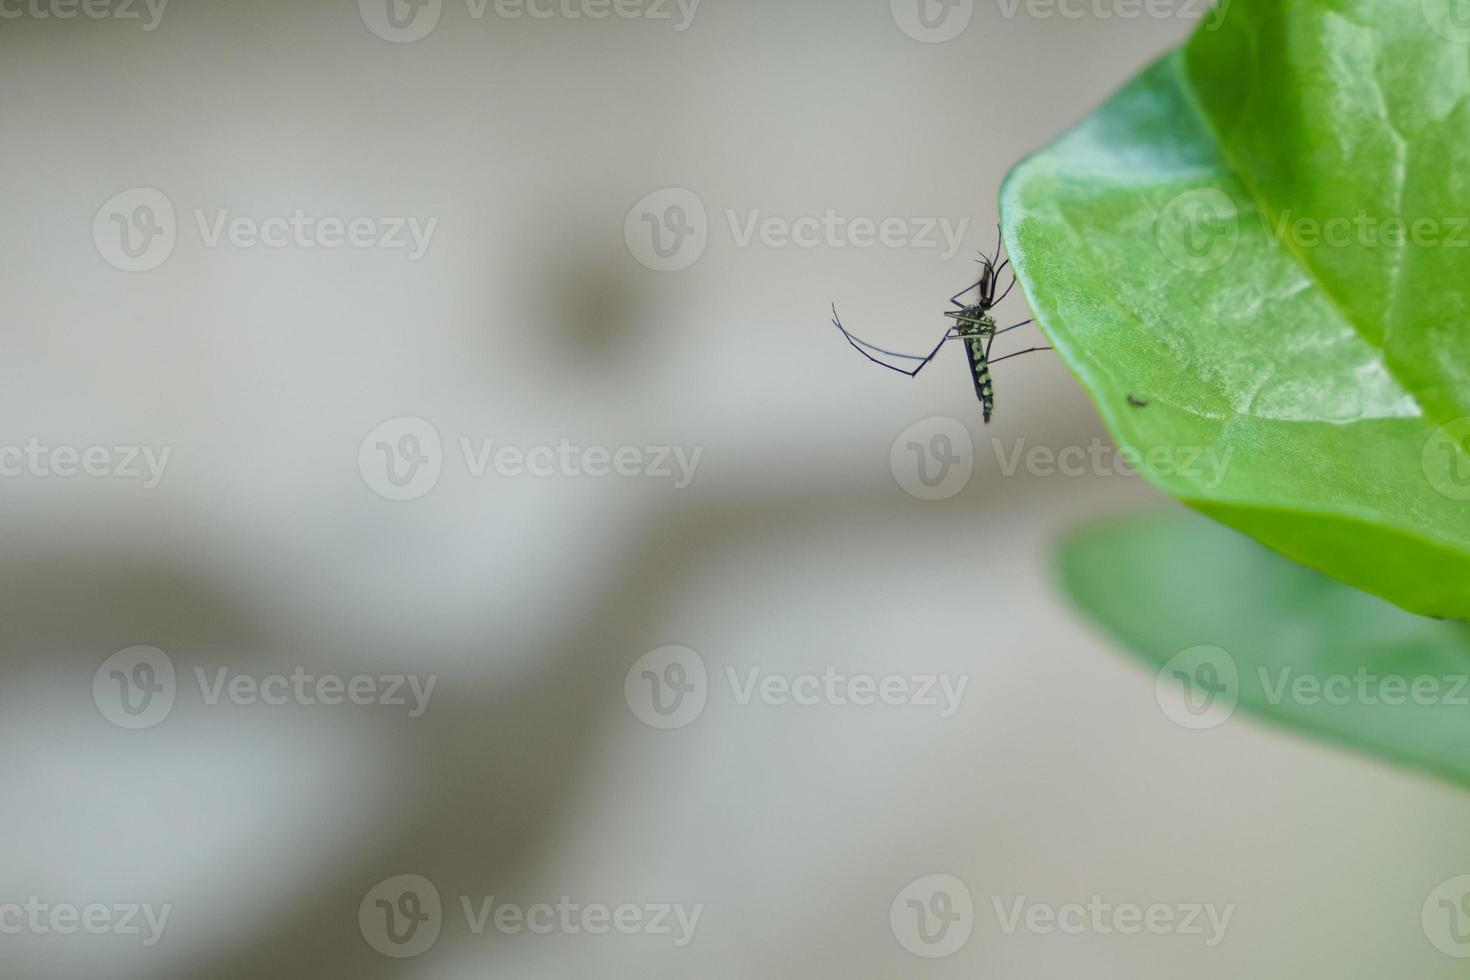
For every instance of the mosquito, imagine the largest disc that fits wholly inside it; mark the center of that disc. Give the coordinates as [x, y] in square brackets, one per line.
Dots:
[973, 325]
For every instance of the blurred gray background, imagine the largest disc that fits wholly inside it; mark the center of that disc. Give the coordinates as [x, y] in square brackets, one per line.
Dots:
[291, 384]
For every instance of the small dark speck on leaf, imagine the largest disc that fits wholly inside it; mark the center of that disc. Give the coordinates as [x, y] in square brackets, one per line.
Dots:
[1138, 402]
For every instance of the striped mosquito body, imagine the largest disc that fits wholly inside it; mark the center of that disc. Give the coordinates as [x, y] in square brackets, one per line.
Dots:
[976, 329]
[973, 326]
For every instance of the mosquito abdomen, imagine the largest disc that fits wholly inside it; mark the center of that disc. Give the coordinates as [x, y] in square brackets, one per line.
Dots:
[980, 373]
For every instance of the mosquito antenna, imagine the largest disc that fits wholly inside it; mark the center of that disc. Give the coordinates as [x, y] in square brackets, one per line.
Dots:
[993, 285]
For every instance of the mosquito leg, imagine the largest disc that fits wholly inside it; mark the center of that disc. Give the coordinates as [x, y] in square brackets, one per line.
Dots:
[862, 347]
[1014, 326]
[1006, 330]
[955, 299]
[1029, 350]
[883, 350]
[925, 362]
[1008, 288]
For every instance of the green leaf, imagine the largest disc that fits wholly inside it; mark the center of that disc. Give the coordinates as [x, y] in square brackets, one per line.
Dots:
[1240, 626]
[1216, 255]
